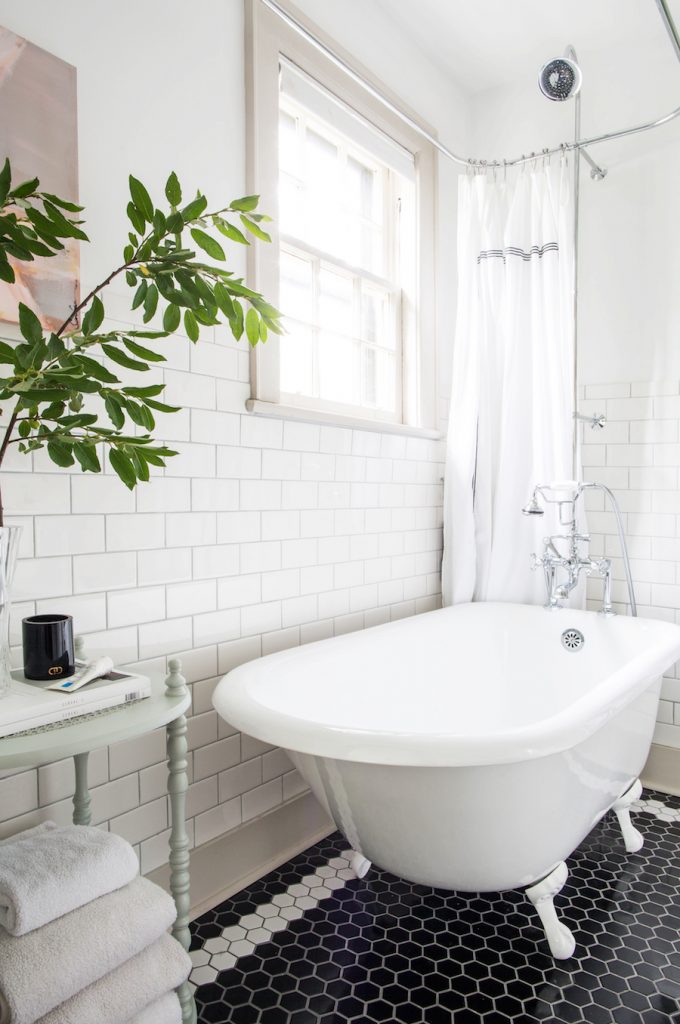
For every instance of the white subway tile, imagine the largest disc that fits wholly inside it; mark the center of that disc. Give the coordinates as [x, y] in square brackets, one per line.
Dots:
[283, 525]
[281, 640]
[238, 527]
[163, 494]
[261, 432]
[264, 556]
[299, 494]
[210, 427]
[43, 577]
[297, 553]
[217, 627]
[217, 821]
[280, 584]
[264, 798]
[237, 591]
[188, 390]
[260, 494]
[316, 466]
[301, 437]
[144, 604]
[214, 495]
[235, 781]
[213, 360]
[280, 465]
[261, 618]
[239, 463]
[191, 598]
[195, 460]
[96, 494]
[190, 528]
[164, 566]
[89, 612]
[134, 532]
[296, 610]
[216, 560]
[164, 637]
[230, 655]
[335, 440]
[68, 535]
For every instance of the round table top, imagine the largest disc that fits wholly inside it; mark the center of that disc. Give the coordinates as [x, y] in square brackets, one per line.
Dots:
[81, 735]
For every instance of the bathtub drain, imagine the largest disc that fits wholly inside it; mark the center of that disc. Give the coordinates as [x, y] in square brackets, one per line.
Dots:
[573, 639]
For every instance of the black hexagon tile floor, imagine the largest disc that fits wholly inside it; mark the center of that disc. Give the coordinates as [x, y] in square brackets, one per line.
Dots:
[313, 944]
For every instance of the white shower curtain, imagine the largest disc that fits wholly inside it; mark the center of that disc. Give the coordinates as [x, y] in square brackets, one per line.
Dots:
[511, 423]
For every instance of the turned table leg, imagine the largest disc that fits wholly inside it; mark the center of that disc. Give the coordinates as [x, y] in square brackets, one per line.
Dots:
[179, 840]
[82, 804]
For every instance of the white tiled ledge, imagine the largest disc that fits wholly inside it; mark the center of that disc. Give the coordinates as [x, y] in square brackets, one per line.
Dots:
[291, 412]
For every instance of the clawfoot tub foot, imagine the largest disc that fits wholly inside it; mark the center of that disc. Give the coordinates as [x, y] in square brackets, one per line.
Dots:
[359, 864]
[560, 939]
[632, 839]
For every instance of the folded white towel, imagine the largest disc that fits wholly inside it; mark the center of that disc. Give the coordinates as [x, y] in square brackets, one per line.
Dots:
[50, 870]
[165, 1010]
[124, 992]
[43, 969]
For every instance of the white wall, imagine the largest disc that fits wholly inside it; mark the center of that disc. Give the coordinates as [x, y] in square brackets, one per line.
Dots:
[261, 535]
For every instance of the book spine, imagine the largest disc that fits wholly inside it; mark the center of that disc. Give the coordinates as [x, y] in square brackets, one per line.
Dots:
[69, 701]
[136, 691]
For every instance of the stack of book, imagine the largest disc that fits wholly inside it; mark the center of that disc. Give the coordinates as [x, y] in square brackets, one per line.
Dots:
[31, 705]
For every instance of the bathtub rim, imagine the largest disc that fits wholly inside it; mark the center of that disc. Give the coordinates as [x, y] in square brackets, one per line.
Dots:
[562, 731]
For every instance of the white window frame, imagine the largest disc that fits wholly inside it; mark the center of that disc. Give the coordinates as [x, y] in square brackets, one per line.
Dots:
[268, 39]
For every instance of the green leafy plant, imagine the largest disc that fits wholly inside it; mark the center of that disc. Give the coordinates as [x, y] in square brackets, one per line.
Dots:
[61, 391]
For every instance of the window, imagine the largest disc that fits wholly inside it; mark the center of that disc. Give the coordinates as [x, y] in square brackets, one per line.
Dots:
[351, 192]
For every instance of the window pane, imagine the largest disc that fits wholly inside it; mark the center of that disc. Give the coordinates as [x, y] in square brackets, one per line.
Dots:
[291, 205]
[297, 359]
[362, 189]
[336, 301]
[296, 287]
[339, 369]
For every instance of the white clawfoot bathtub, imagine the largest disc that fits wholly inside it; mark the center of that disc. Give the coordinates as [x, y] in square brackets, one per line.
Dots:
[468, 748]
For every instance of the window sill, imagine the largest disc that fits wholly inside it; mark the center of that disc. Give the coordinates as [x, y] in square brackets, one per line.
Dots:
[291, 412]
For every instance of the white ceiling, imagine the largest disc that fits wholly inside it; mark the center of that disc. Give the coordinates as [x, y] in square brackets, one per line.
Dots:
[483, 44]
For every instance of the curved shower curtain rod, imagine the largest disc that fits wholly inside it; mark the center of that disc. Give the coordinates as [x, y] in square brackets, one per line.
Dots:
[579, 144]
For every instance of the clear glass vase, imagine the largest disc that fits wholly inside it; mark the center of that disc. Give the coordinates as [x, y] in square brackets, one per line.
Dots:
[9, 546]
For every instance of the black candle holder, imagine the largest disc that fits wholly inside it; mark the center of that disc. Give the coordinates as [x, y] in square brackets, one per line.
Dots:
[48, 646]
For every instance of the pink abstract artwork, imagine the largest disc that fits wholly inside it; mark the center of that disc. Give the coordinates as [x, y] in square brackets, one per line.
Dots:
[39, 134]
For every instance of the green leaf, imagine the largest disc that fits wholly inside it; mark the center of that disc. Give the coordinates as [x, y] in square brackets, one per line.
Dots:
[26, 188]
[60, 453]
[252, 327]
[195, 208]
[254, 229]
[5, 180]
[55, 347]
[171, 318]
[66, 228]
[230, 231]
[130, 278]
[208, 244]
[223, 300]
[119, 357]
[173, 191]
[245, 204]
[29, 324]
[96, 370]
[162, 407]
[135, 218]
[150, 303]
[141, 198]
[7, 354]
[175, 222]
[190, 325]
[6, 272]
[141, 467]
[86, 455]
[237, 323]
[58, 201]
[159, 223]
[142, 352]
[148, 392]
[123, 467]
[94, 316]
[115, 411]
[140, 294]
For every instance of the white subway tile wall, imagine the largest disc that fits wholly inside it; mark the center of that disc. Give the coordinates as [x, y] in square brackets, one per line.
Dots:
[638, 456]
[261, 535]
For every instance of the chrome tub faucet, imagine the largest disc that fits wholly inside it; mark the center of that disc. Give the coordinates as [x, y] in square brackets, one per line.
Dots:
[565, 556]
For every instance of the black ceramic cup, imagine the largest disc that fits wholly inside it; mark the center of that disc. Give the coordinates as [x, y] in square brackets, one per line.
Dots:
[48, 646]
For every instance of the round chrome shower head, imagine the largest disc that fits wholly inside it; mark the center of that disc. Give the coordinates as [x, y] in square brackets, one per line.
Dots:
[560, 79]
[532, 508]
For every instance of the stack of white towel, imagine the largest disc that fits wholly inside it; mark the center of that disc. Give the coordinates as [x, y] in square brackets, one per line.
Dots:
[83, 939]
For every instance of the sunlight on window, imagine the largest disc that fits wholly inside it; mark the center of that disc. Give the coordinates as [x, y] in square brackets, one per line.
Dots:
[340, 264]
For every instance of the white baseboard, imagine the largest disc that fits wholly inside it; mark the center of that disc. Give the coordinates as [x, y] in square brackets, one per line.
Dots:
[230, 863]
[662, 770]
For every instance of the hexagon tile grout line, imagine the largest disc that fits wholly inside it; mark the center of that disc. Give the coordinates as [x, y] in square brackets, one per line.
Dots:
[237, 940]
